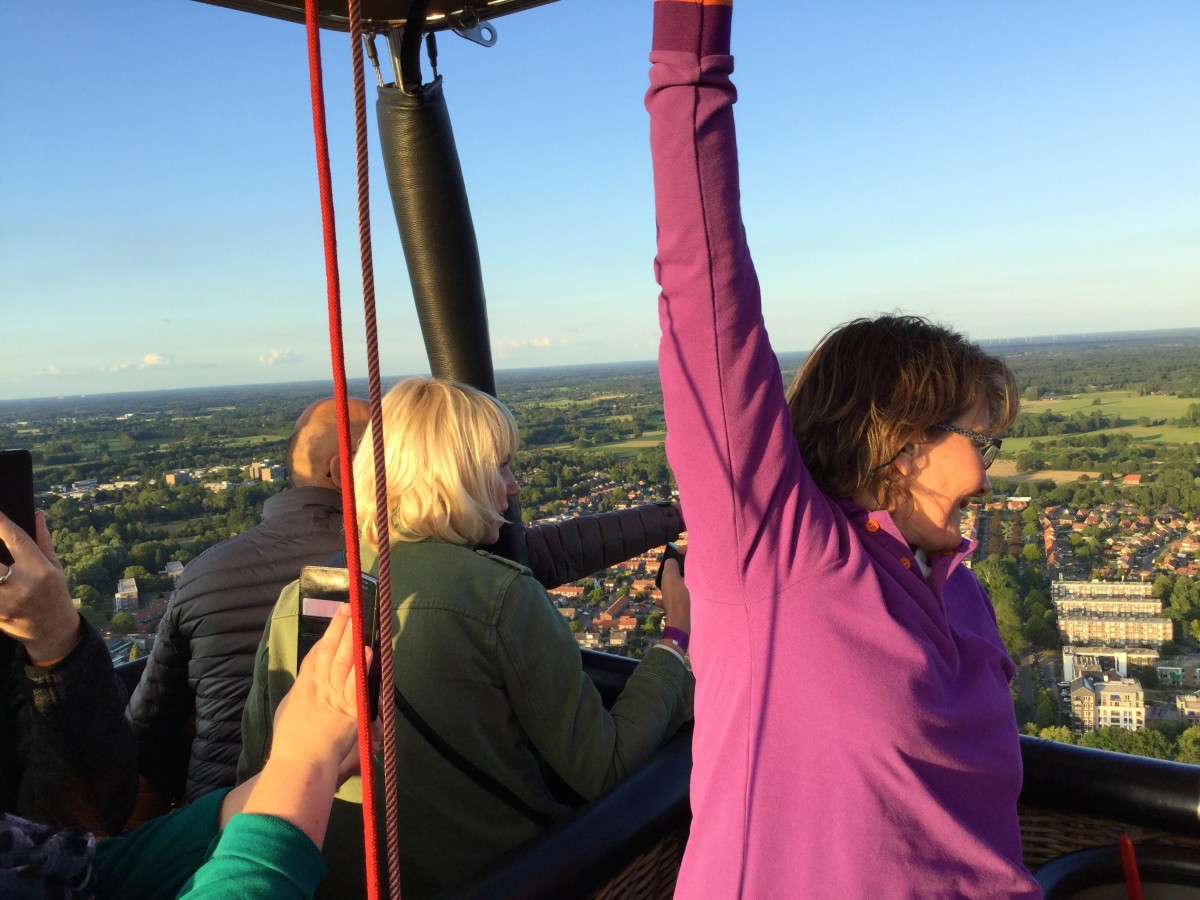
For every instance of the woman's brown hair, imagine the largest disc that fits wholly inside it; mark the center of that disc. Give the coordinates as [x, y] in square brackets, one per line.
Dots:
[869, 384]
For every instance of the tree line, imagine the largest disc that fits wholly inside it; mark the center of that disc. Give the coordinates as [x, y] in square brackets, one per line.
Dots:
[1176, 741]
[1142, 364]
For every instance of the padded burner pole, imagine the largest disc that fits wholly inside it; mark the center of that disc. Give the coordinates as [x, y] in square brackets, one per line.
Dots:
[437, 233]
[438, 236]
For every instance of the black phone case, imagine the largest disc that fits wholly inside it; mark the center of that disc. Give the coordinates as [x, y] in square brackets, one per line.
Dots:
[671, 552]
[333, 583]
[16, 494]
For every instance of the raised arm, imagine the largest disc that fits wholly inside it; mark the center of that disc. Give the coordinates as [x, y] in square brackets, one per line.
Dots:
[562, 552]
[728, 435]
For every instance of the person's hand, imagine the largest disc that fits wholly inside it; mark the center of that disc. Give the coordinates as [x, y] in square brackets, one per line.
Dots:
[351, 764]
[676, 601]
[35, 605]
[316, 730]
[317, 722]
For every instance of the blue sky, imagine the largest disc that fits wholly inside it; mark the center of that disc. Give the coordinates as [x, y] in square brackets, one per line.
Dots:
[1013, 169]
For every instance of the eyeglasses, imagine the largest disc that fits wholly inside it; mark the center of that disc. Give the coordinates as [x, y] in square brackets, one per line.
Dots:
[988, 446]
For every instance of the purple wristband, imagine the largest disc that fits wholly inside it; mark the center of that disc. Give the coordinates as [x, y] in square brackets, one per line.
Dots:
[678, 635]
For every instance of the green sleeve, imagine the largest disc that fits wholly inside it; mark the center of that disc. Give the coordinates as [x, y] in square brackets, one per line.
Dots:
[561, 711]
[259, 857]
[154, 860]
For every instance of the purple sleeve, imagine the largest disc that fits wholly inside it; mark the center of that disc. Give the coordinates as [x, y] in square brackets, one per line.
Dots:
[742, 484]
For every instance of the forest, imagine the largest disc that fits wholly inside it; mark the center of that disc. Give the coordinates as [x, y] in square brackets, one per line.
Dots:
[1144, 362]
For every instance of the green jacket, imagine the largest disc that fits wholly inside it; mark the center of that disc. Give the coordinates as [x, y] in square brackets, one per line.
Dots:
[485, 658]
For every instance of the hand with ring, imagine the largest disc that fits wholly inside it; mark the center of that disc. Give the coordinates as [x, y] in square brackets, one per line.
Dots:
[35, 604]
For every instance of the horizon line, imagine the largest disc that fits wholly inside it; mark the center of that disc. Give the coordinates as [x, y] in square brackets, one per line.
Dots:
[1059, 338]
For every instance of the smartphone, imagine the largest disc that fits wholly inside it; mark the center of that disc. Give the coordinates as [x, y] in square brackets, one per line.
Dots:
[671, 552]
[323, 589]
[16, 494]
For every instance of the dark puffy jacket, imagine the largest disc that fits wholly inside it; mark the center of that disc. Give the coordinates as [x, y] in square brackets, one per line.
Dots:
[203, 659]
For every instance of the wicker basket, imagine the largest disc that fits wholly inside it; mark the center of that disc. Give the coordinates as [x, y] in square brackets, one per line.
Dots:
[1047, 834]
[652, 875]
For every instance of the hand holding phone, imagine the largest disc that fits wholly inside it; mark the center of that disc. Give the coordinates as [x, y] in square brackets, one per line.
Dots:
[323, 591]
[35, 604]
[671, 551]
[317, 719]
[676, 600]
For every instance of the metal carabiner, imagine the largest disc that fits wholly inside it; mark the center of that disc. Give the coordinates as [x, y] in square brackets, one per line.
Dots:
[468, 24]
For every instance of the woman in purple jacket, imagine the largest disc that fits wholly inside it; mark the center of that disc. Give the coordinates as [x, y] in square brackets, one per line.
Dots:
[824, 536]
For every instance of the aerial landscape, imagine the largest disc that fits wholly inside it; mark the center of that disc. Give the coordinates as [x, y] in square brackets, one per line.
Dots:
[1099, 481]
[176, 284]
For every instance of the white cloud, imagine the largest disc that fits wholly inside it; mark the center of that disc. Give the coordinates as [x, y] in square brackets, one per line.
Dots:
[505, 349]
[149, 361]
[279, 356]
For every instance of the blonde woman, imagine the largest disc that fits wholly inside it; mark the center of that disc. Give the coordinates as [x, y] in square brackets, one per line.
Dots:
[508, 732]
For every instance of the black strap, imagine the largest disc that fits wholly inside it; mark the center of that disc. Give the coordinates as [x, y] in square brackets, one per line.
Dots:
[464, 765]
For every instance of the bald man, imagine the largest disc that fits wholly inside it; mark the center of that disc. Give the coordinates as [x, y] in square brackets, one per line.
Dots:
[203, 659]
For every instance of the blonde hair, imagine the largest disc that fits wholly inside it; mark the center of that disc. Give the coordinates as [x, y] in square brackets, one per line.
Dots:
[444, 446]
[871, 383]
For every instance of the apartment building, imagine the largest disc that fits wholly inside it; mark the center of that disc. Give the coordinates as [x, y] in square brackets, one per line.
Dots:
[1070, 605]
[126, 598]
[1093, 659]
[1120, 702]
[1184, 671]
[1131, 590]
[1083, 704]
[1189, 707]
[1108, 701]
[1115, 629]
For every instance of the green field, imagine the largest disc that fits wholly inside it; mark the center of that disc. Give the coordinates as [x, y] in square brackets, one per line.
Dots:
[1126, 404]
[250, 440]
[629, 448]
[624, 449]
[1155, 434]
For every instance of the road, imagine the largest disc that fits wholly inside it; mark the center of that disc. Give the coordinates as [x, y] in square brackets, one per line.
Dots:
[1025, 680]
[1028, 682]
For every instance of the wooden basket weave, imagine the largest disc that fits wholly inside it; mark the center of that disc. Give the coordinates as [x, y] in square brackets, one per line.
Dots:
[652, 875]
[1047, 834]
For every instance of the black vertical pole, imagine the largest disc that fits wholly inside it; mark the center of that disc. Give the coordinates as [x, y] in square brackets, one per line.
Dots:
[438, 236]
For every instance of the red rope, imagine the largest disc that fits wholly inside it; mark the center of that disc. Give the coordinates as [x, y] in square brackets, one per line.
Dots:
[387, 676]
[345, 449]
